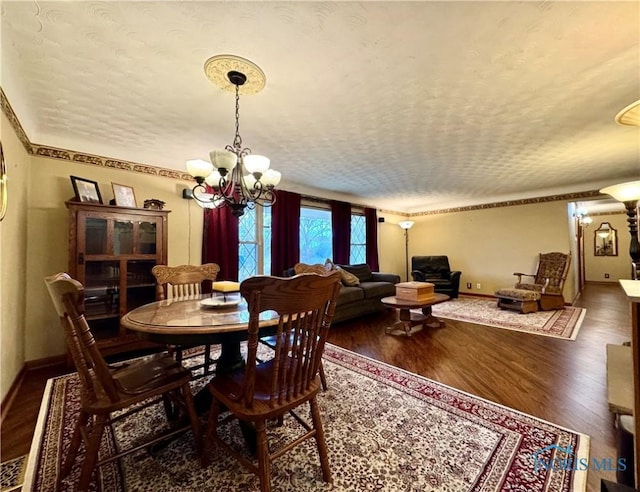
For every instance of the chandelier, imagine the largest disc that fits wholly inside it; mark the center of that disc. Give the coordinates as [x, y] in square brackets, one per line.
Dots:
[238, 178]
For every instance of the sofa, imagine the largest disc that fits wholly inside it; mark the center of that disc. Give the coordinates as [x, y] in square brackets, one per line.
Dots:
[436, 270]
[355, 300]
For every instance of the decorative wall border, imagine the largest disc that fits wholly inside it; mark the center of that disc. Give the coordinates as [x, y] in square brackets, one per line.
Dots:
[73, 156]
[69, 155]
[510, 203]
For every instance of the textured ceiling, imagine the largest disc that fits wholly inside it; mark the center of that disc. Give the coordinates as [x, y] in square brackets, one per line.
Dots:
[407, 106]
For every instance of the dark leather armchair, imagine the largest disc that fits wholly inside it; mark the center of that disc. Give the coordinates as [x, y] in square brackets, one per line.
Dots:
[436, 270]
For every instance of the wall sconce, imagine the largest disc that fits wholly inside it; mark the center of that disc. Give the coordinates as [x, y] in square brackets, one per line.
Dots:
[406, 225]
[629, 194]
[583, 218]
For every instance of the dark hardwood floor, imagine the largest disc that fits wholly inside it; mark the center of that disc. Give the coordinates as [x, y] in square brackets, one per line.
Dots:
[560, 381]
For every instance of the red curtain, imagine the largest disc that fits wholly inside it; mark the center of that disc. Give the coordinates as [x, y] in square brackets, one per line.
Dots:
[285, 232]
[341, 231]
[220, 241]
[371, 224]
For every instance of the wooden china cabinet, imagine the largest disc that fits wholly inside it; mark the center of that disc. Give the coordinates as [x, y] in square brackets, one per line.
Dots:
[111, 252]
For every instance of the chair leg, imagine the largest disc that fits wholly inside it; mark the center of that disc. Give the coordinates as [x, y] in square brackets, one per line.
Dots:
[212, 429]
[76, 440]
[323, 378]
[193, 417]
[264, 460]
[91, 456]
[207, 358]
[320, 442]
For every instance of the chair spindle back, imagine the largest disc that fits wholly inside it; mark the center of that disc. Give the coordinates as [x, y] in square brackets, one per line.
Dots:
[306, 304]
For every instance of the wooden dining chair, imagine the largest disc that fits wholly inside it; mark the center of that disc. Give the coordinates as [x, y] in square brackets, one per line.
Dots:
[263, 391]
[106, 389]
[185, 282]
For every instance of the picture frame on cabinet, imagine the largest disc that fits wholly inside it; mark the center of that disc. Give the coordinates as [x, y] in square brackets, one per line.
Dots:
[124, 195]
[86, 190]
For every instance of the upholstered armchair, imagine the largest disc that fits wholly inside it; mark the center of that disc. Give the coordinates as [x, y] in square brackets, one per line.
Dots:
[436, 270]
[548, 280]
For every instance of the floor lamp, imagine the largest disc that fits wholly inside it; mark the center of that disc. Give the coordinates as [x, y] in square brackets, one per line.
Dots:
[629, 194]
[406, 225]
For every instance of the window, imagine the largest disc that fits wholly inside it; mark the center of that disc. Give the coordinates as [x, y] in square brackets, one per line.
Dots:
[358, 250]
[315, 239]
[315, 235]
[255, 243]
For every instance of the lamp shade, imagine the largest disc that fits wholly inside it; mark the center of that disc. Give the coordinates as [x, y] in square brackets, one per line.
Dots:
[624, 192]
[271, 178]
[199, 168]
[250, 181]
[223, 159]
[406, 224]
[254, 163]
[213, 179]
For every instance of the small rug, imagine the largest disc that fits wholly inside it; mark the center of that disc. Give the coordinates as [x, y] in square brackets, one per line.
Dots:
[564, 323]
[386, 430]
[12, 474]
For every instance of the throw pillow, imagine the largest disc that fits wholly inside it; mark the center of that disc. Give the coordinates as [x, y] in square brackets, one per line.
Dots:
[362, 271]
[305, 268]
[347, 279]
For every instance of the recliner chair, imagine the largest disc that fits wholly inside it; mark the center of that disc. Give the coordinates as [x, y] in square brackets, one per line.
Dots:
[436, 270]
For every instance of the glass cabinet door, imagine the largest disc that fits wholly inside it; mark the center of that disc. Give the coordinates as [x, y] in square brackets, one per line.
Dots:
[95, 236]
[102, 286]
[147, 238]
[122, 237]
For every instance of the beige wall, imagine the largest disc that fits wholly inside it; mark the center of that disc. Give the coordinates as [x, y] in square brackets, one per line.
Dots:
[13, 259]
[391, 246]
[488, 245]
[47, 218]
[618, 267]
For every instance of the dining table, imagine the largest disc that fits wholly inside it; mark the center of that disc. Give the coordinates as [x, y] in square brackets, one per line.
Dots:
[197, 321]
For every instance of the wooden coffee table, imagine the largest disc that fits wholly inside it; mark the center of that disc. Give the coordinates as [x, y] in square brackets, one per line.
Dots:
[408, 319]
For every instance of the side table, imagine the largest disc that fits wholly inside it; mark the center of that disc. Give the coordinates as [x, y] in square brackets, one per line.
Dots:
[407, 319]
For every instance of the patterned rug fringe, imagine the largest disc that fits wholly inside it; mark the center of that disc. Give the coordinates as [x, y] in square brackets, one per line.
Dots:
[12, 474]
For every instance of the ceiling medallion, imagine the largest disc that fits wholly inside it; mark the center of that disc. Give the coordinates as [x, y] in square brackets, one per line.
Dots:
[217, 67]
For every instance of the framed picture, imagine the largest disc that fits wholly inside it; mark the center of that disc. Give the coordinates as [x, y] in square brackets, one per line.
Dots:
[86, 190]
[124, 195]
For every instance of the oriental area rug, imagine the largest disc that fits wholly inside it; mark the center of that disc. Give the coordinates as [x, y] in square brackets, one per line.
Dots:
[386, 430]
[564, 323]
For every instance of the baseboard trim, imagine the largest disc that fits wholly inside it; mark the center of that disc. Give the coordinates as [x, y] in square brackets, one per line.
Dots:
[55, 361]
[474, 294]
[11, 394]
[31, 365]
